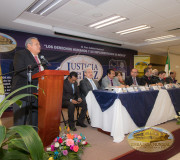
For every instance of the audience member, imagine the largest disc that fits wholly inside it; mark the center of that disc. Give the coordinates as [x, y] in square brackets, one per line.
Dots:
[118, 75]
[88, 83]
[109, 80]
[160, 80]
[71, 98]
[133, 79]
[154, 74]
[171, 78]
[149, 66]
[147, 78]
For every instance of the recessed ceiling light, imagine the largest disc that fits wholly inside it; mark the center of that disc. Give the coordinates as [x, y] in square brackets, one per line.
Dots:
[134, 29]
[160, 38]
[45, 7]
[107, 21]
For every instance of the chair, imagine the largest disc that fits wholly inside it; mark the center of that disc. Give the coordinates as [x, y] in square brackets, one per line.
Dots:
[77, 115]
[66, 121]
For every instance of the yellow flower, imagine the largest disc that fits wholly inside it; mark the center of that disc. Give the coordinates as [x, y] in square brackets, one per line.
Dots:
[60, 128]
[51, 158]
[68, 129]
[176, 116]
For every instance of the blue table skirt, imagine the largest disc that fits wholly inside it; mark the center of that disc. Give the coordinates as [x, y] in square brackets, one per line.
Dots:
[138, 104]
[175, 98]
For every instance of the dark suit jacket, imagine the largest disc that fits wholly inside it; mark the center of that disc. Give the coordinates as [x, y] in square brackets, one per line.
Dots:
[170, 80]
[22, 60]
[157, 80]
[85, 87]
[145, 80]
[129, 80]
[68, 91]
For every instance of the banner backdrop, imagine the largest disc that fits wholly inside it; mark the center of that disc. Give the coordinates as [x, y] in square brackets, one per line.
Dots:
[74, 55]
[140, 63]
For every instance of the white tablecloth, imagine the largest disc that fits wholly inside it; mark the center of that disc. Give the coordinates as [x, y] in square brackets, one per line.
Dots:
[117, 120]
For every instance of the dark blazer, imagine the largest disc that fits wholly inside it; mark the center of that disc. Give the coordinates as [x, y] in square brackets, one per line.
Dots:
[145, 80]
[22, 60]
[170, 80]
[129, 80]
[85, 87]
[68, 91]
[158, 80]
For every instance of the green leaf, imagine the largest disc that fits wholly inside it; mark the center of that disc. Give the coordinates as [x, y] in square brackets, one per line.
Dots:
[2, 134]
[17, 90]
[31, 140]
[14, 155]
[19, 103]
[7, 103]
[18, 143]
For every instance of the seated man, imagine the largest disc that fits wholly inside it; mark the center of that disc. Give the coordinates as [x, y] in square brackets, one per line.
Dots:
[133, 79]
[160, 80]
[88, 84]
[155, 74]
[109, 80]
[171, 78]
[71, 98]
[147, 78]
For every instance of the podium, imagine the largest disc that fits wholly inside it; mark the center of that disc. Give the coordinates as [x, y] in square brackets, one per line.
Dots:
[49, 103]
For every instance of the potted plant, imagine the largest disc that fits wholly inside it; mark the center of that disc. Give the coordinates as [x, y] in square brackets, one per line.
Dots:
[19, 142]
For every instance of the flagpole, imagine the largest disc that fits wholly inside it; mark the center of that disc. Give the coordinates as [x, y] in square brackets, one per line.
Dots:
[167, 66]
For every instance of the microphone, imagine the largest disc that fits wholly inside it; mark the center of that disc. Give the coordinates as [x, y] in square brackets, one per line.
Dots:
[45, 60]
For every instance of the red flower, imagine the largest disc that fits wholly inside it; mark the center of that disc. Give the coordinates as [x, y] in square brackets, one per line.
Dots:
[60, 140]
[75, 148]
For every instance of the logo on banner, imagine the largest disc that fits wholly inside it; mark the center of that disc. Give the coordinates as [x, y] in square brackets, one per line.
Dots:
[79, 63]
[150, 139]
[7, 43]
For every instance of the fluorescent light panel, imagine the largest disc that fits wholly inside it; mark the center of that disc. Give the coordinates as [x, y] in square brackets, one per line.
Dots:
[51, 5]
[107, 21]
[162, 41]
[45, 7]
[37, 5]
[134, 29]
[160, 38]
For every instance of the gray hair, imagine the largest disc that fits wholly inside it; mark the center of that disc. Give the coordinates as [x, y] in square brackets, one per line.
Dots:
[87, 69]
[29, 41]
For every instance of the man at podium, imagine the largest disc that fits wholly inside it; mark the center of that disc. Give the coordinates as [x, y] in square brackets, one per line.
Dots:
[71, 98]
[27, 62]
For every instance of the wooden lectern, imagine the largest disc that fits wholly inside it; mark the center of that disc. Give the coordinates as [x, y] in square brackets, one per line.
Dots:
[49, 103]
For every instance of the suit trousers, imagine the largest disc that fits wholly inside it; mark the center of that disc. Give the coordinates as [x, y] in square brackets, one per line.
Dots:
[71, 109]
[26, 114]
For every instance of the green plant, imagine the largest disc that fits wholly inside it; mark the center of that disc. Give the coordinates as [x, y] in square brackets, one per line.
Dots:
[178, 118]
[19, 142]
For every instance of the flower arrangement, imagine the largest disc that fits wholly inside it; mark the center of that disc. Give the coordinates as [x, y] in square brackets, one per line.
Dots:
[178, 118]
[67, 146]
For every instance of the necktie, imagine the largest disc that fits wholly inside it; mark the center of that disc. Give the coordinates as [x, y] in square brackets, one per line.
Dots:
[93, 85]
[73, 87]
[37, 60]
[111, 82]
[134, 81]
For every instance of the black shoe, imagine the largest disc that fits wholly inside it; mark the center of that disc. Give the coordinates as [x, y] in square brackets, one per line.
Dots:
[72, 128]
[81, 124]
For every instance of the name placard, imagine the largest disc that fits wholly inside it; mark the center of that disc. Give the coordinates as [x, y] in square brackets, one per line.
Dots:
[130, 89]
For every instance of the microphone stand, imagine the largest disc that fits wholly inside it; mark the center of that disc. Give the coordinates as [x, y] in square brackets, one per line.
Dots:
[28, 69]
[29, 81]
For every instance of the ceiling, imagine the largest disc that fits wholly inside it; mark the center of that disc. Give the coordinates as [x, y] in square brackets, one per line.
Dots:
[74, 17]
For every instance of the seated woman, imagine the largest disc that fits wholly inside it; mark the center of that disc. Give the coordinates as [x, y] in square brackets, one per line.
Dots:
[118, 75]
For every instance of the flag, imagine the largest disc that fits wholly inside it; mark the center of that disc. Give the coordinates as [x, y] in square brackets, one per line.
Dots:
[167, 66]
